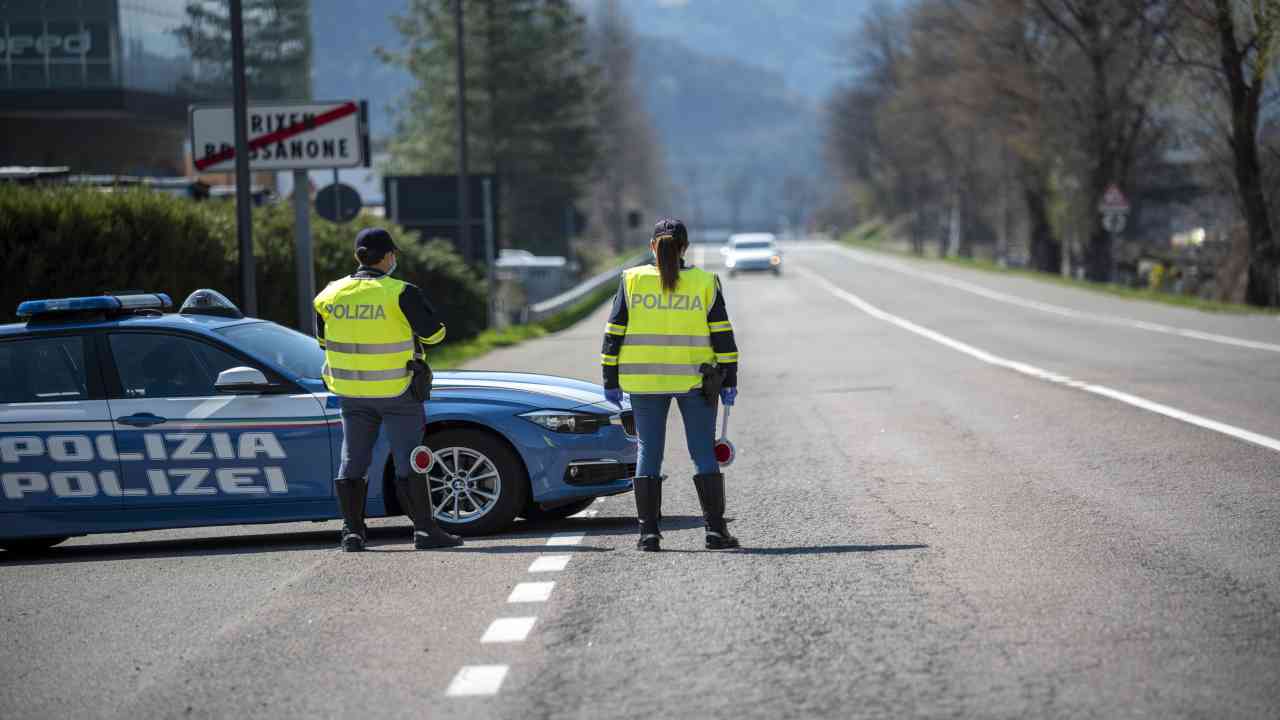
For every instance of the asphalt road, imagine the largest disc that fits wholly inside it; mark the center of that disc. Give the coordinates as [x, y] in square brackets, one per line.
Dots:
[960, 495]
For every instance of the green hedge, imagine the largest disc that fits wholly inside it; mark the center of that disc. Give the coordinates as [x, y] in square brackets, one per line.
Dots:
[64, 242]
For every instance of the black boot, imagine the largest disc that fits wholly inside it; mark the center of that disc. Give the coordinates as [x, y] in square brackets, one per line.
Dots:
[710, 488]
[351, 495]
[648, 492]
[416, 497]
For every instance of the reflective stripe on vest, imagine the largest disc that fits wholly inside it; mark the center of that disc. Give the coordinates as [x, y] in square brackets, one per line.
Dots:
[369, 348]
[368, 341]
[667, 336]
[370, 375]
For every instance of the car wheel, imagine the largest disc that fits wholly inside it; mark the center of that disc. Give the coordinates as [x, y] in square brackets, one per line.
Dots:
[535, 514]
[30, 545]
[477, 483]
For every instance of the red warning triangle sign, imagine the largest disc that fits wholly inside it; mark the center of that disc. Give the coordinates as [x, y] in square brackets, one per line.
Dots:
[1113, 200]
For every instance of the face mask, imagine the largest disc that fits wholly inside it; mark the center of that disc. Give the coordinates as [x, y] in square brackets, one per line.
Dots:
[394, 264]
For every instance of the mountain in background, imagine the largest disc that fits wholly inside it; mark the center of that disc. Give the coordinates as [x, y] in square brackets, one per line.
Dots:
[728, 129]
[803, 41]
[734, 87]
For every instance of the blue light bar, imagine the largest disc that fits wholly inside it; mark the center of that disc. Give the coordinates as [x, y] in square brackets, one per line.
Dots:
[104, 303]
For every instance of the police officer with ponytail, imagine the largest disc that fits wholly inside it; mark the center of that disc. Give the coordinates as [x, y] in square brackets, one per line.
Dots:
[669, 337]
[373, 328]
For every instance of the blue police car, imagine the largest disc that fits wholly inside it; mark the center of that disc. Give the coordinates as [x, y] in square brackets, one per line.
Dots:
[116, 416]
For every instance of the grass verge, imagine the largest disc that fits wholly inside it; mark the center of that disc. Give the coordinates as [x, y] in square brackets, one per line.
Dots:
[450, 356]
[874, 235]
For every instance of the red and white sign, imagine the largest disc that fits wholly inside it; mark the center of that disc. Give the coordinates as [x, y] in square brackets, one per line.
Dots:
[1113, 200]
[282, 136]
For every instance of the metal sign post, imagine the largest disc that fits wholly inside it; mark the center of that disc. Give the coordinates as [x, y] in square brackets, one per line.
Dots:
[1114, 209]
[302, 255]
[487, 189]
[244, 209]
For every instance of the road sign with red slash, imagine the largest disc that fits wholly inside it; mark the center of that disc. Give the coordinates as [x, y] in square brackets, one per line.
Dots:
[283, 136]
[725, 451]
[421, 459]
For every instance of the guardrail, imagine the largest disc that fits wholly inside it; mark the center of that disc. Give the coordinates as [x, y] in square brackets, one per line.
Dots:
[551, 306]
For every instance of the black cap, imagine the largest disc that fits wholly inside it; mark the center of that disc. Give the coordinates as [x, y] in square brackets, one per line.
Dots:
[670, 226]
[376, 241]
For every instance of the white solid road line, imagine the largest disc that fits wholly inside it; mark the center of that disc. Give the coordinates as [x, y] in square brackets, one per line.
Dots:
[1133, 400]
[509, 630]
[905, 269]
[549, 563]
[529, 592]
[477, 680]
[571, 538]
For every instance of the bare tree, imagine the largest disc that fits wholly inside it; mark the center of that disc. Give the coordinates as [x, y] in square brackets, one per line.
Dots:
[1101, 62]
[1234, 43]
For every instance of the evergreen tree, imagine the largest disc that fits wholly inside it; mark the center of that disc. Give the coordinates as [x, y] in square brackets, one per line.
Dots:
[529, 102]
[277, 49]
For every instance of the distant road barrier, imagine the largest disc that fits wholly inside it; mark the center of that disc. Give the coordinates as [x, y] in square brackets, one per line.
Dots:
[551, 306]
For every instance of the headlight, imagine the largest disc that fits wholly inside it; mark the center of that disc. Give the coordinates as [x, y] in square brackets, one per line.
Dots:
[775, 260]
[563, 421]
[729, 262]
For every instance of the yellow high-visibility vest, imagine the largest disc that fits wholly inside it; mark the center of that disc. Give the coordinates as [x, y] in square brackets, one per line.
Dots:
[667, 336]
[367, 339]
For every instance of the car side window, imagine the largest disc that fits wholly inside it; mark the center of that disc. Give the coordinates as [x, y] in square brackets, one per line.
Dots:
[167, 366]
[43, 370]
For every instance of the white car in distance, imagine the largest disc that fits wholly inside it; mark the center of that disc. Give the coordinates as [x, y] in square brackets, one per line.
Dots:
[746, 252]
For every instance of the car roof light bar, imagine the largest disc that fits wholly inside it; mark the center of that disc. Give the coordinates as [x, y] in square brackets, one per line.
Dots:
[101, 303]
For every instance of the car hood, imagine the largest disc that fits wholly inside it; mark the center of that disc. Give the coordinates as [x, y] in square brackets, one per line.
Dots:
[739, 255]
[541, 391]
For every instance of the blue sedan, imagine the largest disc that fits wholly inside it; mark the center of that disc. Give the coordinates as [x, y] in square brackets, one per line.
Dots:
[116, 416]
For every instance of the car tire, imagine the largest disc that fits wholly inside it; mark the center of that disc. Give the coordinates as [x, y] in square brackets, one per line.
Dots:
[479, 455]
[537, 515]
[30, 546]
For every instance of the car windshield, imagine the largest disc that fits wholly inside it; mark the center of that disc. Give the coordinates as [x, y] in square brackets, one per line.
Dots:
[299, 354]
[753, 245]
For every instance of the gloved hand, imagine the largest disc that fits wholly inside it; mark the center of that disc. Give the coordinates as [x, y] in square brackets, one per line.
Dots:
[613, 395]
[728, 395]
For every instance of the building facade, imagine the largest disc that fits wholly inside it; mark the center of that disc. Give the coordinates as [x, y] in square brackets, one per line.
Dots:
[103, 86]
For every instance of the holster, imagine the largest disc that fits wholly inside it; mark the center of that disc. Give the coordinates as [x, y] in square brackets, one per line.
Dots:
[420, 385]
[712, 381]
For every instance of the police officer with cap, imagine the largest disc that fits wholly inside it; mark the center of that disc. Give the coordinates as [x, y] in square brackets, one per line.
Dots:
[669, 338]
[372, 326]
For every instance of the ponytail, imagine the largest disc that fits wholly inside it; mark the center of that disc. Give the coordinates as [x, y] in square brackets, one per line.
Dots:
[671, 239]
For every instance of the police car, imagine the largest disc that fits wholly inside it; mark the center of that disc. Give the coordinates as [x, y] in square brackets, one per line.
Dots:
[116, 416]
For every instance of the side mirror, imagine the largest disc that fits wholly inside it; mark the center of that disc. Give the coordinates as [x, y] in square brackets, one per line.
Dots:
[242, 381]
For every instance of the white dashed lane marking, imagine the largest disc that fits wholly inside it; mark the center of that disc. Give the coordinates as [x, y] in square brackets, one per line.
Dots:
[530, 592]
[566, 538]
[549, 563]
[474, 680]
[509, 630]
[477, 680]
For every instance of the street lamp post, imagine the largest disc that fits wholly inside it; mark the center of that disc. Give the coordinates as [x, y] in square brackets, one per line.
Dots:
[244, 210]
[464, 234]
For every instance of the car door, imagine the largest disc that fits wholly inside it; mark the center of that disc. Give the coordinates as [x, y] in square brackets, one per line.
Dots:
[185, 443]
[56, 446]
